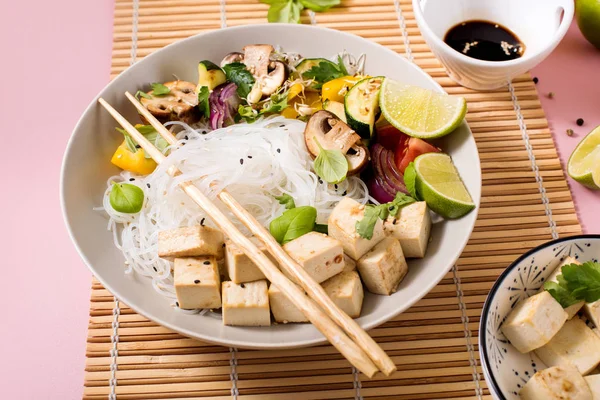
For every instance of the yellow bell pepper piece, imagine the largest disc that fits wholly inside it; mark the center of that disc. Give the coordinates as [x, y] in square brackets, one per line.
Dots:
[312, 99]
[336, 89]
[133, 162]
[295, 90]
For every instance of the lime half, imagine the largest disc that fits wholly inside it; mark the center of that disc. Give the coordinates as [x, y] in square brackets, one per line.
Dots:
[419, 112]
[584, 163]
[439, 184]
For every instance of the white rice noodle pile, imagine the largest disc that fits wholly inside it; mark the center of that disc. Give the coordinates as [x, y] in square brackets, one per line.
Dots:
[254, 162]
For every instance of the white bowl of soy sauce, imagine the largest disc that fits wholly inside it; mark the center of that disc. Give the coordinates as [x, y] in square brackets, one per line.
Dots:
[484, 44]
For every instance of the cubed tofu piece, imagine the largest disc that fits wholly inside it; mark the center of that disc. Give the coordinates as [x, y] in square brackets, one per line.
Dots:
[574, 309]
[411, 227]
[197, 282]
[556, 383]
[190, 241]
[593, 382]
[574, 345]
[320, 255]
[383, 267]
[349, 263]
[533, 322]
[283, 309]
[342, 226]
[239, 266]
[246, 304]
[592, 311]
[346, 291]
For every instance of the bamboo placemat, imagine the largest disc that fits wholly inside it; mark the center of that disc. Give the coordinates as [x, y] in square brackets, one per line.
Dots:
[525, 202]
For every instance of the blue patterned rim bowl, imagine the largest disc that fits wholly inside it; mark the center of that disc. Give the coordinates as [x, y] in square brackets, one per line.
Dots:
[505, 369]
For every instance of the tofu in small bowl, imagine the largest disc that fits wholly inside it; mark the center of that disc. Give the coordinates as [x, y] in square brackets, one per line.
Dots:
[539, 337]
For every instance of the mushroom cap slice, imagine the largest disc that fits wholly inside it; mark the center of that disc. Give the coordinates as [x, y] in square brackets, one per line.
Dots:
[333, 134]
[257, 59]
[177, 105]
[277, 74]
[232, 58]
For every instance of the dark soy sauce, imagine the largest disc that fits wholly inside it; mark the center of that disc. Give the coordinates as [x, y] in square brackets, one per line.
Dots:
[485, 40]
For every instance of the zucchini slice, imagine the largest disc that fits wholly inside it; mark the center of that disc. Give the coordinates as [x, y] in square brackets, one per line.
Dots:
[336, 108]
[209, 75]
[306, 64]
[361, 105]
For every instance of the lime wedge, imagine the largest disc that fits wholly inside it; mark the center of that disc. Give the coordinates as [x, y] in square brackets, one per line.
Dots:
[439, 184]
[584, 163]
[420, 112]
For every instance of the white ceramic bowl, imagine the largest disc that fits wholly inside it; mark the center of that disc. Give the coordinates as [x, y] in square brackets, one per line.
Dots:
[87, 166]
[540, 24]
[505, 369]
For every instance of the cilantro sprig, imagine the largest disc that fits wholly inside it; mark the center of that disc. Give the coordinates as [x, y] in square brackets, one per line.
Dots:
[576, 283]
[325, 71]
[366, 226]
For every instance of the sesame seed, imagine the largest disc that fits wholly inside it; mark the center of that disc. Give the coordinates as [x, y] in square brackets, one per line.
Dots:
[137, 146]
[197, 281]
[241, 161]
[249, 156]
[335, 186]
[204, 132]
[177, 303]
[242, 285]
[202, 221]
[206, 262]
[155, 270]
[131, 179]
[320, 181]
[536, 80]
[394, 221]
[279, 150]
[570, 132]
[147, 184]
[186, 137]
[580, 121]
[282, 126]
[345, 193]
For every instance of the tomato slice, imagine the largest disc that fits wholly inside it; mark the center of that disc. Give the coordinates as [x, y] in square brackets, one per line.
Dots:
[388, 136]
[407, 150]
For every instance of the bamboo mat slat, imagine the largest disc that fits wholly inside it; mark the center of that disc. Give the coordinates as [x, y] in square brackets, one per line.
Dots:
[525, 201]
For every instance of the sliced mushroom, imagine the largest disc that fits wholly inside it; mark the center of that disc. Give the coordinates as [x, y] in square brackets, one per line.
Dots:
[257, 59]
[232, 58]
[276, 76]
[333, 134]
[177, 105]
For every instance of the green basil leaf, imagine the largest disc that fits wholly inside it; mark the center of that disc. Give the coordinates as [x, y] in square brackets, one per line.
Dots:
[410, 180]
[293, 223]
[203, 105]
[126, 198]
[139, 94]
[319, 5]
[330, 165]
[322, 73]
[400, 201]
[153, 137]
[285, 11]
[286, 200]
[366, 225]
[158, 89]
[129, 142]
[560, 294]
[238, 74]
[322, 228]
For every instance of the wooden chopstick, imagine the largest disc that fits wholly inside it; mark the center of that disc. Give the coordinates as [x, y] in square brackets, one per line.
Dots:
[313, 289]
[350, 350]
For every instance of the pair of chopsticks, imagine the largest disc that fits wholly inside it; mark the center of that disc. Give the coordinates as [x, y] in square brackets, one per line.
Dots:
[339, 329]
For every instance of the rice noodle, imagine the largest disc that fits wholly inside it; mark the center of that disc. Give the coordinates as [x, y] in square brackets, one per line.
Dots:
[254, 162]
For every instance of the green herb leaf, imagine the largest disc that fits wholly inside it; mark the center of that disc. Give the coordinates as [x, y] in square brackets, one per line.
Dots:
[203, 105]
[366, 226]
[276, 103]
[129, 142]
[410, 179]
[284, 11]
[322, 228]
[323, 72]
[158, 89]
[149, 133]
[319, 5]
[330, 165]
[583, 281]
[400, 201]
[247, 113]
[139, 94]
[342, 66]
[560, 294]
[286, 200]
[126, 198]
[293, 223]
[238, 74]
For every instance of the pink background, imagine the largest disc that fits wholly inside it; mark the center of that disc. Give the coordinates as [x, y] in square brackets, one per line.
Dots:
[56, 57]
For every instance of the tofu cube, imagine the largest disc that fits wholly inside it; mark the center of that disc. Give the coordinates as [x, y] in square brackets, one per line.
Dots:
[593, 382]
[342, 226]
[383, 267]
[321, 256]
[190, 241]
[592, 311]
[533, 322]
[246, 304]
[197, 282]
[283, 309]
[574, 309]
[346, 291]
[411, 227]
[575, 345]
[556, 383]
[349, 264]
[239, 267]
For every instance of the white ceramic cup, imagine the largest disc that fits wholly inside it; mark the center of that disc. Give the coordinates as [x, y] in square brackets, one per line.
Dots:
[539, 24]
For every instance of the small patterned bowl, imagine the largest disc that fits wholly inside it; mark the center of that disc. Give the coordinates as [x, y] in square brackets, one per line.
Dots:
[505, 369]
